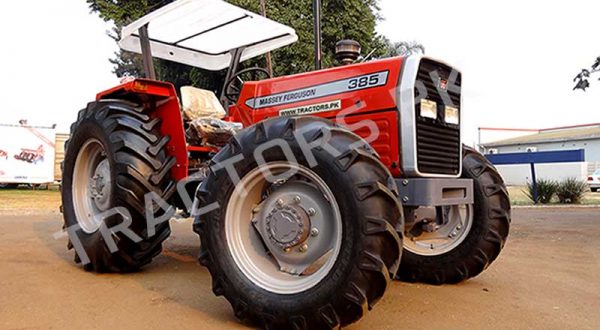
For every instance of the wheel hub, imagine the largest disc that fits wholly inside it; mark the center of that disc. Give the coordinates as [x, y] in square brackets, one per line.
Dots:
[284, 235]
[438, 230]
[100, 185]
[91, 186]
[287, 226]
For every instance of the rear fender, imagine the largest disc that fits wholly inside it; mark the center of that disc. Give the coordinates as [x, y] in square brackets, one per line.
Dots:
[160, 101]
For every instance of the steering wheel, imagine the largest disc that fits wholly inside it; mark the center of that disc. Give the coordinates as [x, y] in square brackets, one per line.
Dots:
[233, 87]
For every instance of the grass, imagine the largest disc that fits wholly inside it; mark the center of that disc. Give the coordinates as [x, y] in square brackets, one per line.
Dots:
[44, 201]
[29, 201]
[519, 197]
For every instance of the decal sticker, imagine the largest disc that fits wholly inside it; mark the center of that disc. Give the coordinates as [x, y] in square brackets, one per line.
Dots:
[335, 87]
[312, 108]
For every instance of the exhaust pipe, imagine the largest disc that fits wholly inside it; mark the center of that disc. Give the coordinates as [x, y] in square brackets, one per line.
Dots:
[347, 51]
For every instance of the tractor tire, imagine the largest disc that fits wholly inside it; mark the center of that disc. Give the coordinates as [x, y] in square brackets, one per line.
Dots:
[482, 243]
[113, 159]
[594, 189]
[360, 188]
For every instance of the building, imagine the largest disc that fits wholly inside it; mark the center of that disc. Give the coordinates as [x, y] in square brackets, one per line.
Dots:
[59, 154]
[585, 137]
[493, 134]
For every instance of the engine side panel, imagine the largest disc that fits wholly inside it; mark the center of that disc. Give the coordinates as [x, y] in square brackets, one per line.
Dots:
[359, 96]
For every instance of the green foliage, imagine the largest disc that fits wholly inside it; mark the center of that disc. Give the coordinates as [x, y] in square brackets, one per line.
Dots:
[571, 191]
[123, 12]
[546, 190]
[341, 19]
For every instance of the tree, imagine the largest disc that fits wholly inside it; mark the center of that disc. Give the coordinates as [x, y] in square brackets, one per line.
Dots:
[581, 79]
[341, 19]
[405, 48]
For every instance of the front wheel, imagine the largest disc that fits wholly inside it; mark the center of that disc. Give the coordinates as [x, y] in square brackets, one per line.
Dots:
[114, 161]
[465, 239]
[295, 244]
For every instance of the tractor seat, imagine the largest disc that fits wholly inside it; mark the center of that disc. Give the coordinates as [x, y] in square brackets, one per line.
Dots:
[200, 103]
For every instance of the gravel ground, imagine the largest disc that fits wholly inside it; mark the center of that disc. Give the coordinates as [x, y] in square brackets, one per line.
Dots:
[547, 278]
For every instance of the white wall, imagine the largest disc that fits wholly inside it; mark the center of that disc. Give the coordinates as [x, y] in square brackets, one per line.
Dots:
[520, 174]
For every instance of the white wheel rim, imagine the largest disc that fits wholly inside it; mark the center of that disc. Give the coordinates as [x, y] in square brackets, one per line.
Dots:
[91, 185]
[447, 237]
[247, 247]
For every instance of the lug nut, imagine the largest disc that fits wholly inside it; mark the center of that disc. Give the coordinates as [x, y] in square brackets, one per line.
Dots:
[287, 250]
[280, 202]
[405, 199]
[297, 199]
[314, 232]
[312, 212]
[303, 248]
[459, 227]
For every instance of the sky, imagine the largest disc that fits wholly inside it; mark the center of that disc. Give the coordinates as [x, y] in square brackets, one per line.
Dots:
[518, 58]
[54, 59]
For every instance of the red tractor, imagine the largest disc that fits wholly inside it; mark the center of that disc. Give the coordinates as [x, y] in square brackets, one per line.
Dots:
[32, 156]
[305, 213]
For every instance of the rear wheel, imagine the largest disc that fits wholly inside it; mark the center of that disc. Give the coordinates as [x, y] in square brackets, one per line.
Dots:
[452, 243]
[594, 189]
[293, 246]
[113, 160]
[9, 185]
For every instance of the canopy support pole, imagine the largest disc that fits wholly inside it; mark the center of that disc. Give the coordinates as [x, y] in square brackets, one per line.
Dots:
[317, 28]
[146, 53]
[263, 9]
[236, 57]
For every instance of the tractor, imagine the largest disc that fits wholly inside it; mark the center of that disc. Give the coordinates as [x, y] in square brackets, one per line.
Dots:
[32, 156]
[341, 180]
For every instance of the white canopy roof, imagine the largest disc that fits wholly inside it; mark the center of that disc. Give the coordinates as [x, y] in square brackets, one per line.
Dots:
[202, 33]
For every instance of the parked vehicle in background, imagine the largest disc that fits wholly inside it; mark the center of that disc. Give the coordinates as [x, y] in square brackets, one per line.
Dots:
[594, 181]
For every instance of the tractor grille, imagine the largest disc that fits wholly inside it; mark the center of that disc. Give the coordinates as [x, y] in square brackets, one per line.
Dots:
[438, 143]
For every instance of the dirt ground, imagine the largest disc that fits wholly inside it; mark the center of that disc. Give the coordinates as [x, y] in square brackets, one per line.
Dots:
[547, 278]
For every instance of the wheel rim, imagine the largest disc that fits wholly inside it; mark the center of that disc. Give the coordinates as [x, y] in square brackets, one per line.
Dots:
[283, 233]
[91, 185]
[440, 239]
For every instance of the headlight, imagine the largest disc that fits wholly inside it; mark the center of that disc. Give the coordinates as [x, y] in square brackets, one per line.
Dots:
[428, 109]
[451, 115]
